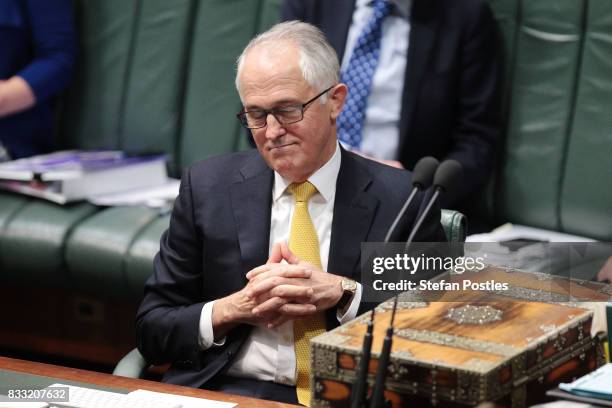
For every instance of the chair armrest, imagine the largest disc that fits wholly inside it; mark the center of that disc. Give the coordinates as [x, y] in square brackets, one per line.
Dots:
[132, 365]
[454, 224]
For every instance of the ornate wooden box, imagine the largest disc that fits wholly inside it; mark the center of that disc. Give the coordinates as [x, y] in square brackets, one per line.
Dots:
[467, 347]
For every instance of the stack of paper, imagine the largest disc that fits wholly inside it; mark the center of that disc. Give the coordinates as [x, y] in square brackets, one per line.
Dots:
[75, 175]
[597, 384]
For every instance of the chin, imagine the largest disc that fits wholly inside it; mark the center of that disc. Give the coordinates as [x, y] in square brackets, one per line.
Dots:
[290, 171]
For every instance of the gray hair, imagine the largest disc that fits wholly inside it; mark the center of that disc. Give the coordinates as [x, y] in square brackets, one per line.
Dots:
[318, 60]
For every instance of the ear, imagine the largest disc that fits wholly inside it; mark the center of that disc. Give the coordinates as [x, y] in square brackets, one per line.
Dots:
[337, 98]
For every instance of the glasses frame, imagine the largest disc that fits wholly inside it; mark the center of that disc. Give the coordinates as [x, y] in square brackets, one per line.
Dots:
[242, 114]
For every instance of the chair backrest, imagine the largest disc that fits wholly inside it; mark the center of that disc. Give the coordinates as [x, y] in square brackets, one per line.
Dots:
[222, 29]
[130, 75]
[159, 76]
[557, 154]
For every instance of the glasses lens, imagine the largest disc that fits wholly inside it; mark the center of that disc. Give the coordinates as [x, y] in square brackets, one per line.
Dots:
[288, 114]
[253, 119]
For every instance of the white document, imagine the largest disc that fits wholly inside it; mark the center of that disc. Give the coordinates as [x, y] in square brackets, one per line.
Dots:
[508, 232]
[81, 397]
[597, 384]
[185, 402]
[154, 197]
[23, 404]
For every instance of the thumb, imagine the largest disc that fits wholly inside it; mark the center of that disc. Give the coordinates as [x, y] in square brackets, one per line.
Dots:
[275, 254]
[289, 256]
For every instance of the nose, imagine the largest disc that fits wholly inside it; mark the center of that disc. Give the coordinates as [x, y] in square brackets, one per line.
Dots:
[274, 129]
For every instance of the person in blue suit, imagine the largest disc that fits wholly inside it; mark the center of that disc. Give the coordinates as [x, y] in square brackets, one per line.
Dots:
[37, 53]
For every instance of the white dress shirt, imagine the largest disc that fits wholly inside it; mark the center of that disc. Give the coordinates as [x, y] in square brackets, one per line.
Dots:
[380, 136]
[268, 354]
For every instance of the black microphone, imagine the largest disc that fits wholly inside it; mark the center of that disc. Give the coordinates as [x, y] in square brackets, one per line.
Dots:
[448, 175]
[359, 391]
[378, 395]
[422, 177]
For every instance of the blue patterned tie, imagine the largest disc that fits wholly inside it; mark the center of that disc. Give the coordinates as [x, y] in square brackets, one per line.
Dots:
[358, 76]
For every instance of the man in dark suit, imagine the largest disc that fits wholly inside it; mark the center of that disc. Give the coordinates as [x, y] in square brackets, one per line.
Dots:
[440, 57]
[230, 302]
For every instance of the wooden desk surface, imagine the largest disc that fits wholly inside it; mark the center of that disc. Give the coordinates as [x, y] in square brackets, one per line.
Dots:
[131, 384]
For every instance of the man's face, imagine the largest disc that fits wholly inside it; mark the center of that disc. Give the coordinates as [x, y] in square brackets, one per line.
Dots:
[271, 78]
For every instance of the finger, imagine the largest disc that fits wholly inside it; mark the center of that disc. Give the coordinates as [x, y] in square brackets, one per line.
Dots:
[270, 305]
[260, 269]
[283, 271]
[297, 309]
[276, 274]
[278, 321]
[266, 285]
[276, 254]
[602, 276]
[605, 273]
[276, 268]
[298, 293]
[260, 287]
[289, 256]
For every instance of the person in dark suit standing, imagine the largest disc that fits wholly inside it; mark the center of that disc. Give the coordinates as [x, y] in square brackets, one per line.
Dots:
[263, 247]
[426, 74]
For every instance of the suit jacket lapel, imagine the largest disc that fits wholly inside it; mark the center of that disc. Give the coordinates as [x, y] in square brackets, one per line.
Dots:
[423, 27]
[354, 211]
[251, 199]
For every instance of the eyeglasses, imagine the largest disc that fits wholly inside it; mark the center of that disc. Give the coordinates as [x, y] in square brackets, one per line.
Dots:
[285, 115]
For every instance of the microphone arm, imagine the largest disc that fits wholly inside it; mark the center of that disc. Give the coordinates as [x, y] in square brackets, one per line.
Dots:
[378, 395]
[397, 219]
[421, 219]
[447, 176]
[358, 395]
[422, 176]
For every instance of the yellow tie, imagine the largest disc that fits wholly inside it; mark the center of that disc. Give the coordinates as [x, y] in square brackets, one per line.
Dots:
[304, 243]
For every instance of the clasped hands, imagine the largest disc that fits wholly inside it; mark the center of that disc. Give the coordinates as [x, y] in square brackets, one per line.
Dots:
[277, 292]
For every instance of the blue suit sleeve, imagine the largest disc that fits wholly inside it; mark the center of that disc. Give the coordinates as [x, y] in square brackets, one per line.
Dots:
[53, 47]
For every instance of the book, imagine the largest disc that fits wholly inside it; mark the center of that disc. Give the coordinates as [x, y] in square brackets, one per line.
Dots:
[592, 402]
[72, 175]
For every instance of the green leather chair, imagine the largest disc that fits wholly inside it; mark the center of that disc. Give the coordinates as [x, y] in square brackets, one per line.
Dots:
[157, 76]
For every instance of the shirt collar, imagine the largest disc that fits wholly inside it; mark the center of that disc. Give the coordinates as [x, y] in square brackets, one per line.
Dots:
[402, 7]
[323, 179]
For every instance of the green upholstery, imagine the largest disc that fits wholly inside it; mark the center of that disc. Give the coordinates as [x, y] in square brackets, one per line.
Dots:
[10, 204]
[506, 12]
[544, 71]
[128, 85]
[33, 241]
[454, 224]
[96, 250]
[222, 29]
[132, 365]
[139, 259]
[158, 76]
[94, 105]
[586, 196]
